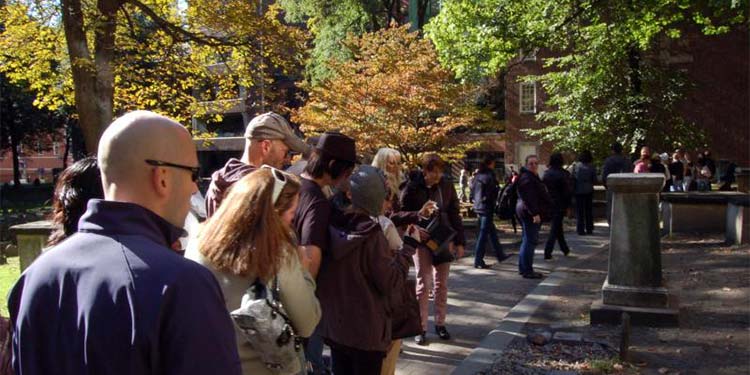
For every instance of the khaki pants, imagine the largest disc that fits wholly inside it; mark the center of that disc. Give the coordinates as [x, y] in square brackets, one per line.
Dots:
[389, 363]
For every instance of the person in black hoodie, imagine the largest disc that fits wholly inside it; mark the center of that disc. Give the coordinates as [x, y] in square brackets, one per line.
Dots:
[484, 191]
[357, 277]
[557, 181]
[533, 205]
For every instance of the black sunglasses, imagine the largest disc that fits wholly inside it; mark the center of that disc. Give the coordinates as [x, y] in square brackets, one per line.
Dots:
[193, 170]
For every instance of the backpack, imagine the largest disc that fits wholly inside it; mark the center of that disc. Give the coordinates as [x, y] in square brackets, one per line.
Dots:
[505, 206]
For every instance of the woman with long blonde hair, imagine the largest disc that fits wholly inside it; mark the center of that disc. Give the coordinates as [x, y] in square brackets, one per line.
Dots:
[250, 237]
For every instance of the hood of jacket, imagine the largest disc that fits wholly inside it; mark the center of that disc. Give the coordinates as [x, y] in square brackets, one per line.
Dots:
[350, 231]
[232, 172]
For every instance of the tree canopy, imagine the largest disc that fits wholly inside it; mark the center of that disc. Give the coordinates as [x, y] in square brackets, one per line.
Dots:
[109, 56]
[393, 92]
[604, 76]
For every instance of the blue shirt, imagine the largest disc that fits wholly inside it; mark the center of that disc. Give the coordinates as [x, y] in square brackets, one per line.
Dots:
[115, 299]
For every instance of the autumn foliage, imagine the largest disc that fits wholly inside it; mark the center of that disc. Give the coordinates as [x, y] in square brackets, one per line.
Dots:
[393, 93]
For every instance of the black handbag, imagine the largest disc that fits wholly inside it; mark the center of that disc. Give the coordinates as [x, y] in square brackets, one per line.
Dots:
[441, 235]
[405, 317]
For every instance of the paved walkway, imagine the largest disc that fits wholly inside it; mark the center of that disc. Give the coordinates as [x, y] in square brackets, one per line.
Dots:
[479, 299]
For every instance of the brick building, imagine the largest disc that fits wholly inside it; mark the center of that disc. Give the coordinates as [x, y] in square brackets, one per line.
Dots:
[719, 102]
[40, 160]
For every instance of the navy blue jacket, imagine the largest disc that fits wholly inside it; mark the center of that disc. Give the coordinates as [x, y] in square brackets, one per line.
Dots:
[115, 299]
[484, 189]
[533, 198]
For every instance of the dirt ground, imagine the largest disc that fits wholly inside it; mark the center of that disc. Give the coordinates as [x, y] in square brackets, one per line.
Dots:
[712, 282]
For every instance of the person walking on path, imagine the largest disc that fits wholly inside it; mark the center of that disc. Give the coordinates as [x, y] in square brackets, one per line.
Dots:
[585, 177]
[115, 298]
[484, 191]
[249, 238]
[268, 140]
[331, 162]
[425, 185]
[533, 205]
[357, 278]
[557, 181]
[615, 163]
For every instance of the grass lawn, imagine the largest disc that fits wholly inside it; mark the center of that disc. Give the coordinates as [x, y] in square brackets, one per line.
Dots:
[9, 273]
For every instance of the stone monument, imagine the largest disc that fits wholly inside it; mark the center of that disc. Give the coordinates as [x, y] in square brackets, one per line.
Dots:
[634, 281]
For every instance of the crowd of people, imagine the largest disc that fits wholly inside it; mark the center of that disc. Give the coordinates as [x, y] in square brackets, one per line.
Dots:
[134, 282]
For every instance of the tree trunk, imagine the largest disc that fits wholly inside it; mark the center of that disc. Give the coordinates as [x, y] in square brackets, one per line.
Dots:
[14, 156]
[93, 80]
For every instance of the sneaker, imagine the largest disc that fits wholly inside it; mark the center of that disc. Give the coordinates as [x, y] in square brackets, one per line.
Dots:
[482, 266]
[566, 252]
[532, 275]
[442, 332]
[421, 339]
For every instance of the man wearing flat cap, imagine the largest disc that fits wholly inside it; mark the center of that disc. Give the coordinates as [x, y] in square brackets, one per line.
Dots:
[268, 139]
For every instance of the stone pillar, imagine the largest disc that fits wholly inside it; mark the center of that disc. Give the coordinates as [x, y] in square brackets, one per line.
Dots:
[31, 239]
[634, 281]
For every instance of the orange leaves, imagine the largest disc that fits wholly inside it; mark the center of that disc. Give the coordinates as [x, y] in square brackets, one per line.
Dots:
[393, 92]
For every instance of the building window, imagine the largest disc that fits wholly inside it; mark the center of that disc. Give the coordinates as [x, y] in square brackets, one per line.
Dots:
[39, 149]
[528, 97]
[56, 148]
[528, 56]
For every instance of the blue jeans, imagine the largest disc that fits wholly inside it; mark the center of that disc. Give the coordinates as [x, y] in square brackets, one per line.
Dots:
[530, 238]
[487, 229]
[314, 353]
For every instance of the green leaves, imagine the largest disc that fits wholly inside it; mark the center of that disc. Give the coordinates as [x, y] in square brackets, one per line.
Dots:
[605, 78]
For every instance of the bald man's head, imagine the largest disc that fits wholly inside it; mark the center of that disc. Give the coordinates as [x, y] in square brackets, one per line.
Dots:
[123, 150]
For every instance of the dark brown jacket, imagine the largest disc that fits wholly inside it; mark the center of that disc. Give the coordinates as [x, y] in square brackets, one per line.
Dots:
[356, 278]
[415, 194]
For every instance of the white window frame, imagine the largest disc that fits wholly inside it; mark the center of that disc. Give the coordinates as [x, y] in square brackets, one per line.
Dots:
[521, 97]
[531, 55]
[55, 148]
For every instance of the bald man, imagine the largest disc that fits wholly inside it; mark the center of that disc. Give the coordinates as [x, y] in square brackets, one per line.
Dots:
[114, 298]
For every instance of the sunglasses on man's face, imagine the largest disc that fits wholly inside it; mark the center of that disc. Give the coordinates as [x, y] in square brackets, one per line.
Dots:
[194, 171]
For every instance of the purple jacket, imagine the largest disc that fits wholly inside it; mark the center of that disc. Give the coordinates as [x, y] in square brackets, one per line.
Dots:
[115, 299]
[221, 180]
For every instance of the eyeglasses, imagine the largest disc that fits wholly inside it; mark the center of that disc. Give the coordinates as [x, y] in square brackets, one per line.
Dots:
[278, 183]
[194, 171]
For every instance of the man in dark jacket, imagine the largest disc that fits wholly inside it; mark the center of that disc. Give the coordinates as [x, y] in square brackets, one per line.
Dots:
[558, 184]
[115, 298]
[615, 163]
[533, 205]
[268, 139]
[426, 185]
[484, 191]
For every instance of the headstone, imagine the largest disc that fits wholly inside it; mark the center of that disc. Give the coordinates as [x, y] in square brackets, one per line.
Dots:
[31, 239]
[634, 281]
[570, 337]
[738, 220]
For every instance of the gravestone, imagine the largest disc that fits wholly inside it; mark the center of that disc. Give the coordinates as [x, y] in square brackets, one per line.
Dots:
[738, 220]
[31, 239]
[634, 281]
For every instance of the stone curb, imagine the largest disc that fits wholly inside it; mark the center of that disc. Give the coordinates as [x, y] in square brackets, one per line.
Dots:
[492, 346]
